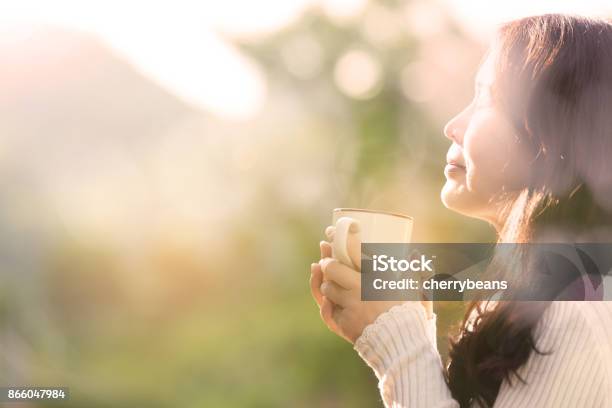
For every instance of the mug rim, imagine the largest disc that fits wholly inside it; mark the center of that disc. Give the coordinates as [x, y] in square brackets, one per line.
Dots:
[367, 210]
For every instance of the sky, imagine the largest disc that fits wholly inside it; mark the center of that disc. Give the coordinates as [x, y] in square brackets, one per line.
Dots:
[176, 43]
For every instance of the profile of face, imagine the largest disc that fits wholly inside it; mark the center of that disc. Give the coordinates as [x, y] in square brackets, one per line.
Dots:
[486, 157]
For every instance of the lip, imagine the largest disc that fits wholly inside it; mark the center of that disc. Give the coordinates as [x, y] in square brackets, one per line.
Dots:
[455, 164]
[453, 168]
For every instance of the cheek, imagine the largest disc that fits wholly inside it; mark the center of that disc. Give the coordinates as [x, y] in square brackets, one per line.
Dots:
[495, 160]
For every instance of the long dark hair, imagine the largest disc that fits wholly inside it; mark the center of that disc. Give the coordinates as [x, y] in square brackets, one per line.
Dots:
[554, 81]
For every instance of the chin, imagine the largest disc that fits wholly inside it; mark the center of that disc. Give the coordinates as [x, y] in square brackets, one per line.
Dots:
[451, 195]
[456, 197]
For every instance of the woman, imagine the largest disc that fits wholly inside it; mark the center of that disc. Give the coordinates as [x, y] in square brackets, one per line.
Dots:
[530, 155]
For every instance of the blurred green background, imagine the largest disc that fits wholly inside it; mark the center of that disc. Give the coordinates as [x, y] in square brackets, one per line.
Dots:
[155, 254]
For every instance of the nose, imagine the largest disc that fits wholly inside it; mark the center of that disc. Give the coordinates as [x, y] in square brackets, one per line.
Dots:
[455, 128]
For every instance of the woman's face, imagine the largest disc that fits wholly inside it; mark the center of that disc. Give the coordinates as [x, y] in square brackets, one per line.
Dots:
[485, 158]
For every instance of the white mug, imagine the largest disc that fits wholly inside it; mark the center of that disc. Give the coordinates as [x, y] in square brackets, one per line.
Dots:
[371, 226]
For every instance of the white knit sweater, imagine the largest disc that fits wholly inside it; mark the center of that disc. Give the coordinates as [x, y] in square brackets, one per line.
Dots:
[400, 346]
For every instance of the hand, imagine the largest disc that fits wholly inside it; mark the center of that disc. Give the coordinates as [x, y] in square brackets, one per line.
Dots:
[326, 307]
[337, 290]
[354, 250]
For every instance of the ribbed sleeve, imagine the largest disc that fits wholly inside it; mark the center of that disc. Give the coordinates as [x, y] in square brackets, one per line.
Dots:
[574, 371]
[401, 349]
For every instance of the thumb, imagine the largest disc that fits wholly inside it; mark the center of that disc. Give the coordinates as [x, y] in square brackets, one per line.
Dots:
[326, 249]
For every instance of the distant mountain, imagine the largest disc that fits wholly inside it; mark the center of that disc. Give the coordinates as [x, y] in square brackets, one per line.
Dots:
[79, 127]
[65, 94]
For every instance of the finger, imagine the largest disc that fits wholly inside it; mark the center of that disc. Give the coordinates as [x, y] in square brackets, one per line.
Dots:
[330, 232]
[337, 315]
[336, 294]
[326, 249]
[339, 273]
[316, 278]
[327, 311]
